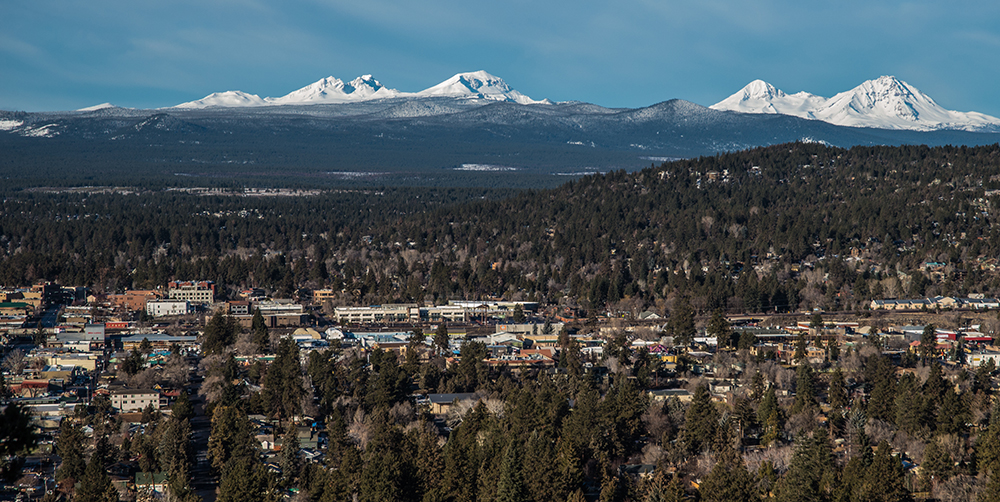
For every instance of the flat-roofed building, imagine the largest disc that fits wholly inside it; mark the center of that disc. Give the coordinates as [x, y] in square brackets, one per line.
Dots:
[280, 307]
[133, 299]
[128, 400]
[238, 307]
[192, 291]
[450, 313]
[375, 314]
[323, 295]
[159, 341]
[161, 308]
[19, 308]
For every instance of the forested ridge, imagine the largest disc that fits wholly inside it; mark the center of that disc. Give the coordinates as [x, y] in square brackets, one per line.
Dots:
[818, 226]
[785, 227]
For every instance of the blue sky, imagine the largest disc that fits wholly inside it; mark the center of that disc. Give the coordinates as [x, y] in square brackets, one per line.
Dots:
[68, 54]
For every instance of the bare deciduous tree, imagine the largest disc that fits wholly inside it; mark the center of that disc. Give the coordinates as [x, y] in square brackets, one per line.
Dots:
[960, 489]
[15, 362]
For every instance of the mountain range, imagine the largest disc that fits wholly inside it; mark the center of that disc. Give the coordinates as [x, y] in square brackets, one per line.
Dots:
[470, 130]
[332, 90]
[884, 103]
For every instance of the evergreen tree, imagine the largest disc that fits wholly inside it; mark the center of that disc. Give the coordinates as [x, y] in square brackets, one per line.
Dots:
[768, 405]
[182, 409]
[834, 350]
[910, 405]
[988, 445]
[954, 413]
[747, 340]
[242, 479]
[220, 332]
[518, 314]
[96, 485]
[935, 385]
[805, 389]
[283, 390]
[851, 481]
[937, 465]
[928, 342]
[613, 489]
[700, 422]
[838, 390]
[441, 338]
[429, 465]
[17, 435]
[231, 438]
[810, 476]
[259, 333]
[568, 464]
[661, 491]
[729, 481]
[69, 447]
[881, 403]
[290, 461]
[681, 323]
[510, 487]
[719, 327]
[958, 354]
[816, 321]
[173, 452]
[799, 356]
[885, 480]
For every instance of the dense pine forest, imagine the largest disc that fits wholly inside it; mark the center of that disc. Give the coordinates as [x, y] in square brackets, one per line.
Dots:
[780, 228]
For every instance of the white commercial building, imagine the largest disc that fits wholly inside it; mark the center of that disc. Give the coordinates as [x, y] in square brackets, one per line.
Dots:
[128, 400]
[160, 308]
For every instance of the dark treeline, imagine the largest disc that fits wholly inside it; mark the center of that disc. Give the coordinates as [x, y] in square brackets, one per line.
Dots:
[783, 227]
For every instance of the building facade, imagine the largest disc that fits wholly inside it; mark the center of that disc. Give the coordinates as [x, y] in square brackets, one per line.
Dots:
[192, 291]
[160, 308]
[130, 400]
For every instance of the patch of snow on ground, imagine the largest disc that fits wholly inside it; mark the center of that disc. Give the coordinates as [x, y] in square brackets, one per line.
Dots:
[661, 159]
[10, 125]
[807, 139]
[353, 174]
[45, 131]
[485, 167]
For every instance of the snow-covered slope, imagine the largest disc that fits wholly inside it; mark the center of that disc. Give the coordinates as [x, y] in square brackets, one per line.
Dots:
[102, 106]
[884, 103]
[761, 97]
[229, 99]
[472, 85]
[477, 84]
[334, 90]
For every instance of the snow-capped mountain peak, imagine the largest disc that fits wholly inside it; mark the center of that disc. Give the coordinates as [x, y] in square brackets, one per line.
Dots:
[473, 85]
[885, 103]
[477, 84]
[887, 98]
[95, 108]
[761, 97]
[334, 90]
[228, 99]
[758, 89]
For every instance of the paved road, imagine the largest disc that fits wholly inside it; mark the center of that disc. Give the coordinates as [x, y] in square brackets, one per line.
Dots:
[51, 316]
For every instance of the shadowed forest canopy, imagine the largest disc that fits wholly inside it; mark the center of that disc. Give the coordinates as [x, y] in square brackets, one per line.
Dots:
[782, 227]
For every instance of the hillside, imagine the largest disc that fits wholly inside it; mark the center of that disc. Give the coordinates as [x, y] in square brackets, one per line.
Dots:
[818, 226]
[429, 141]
